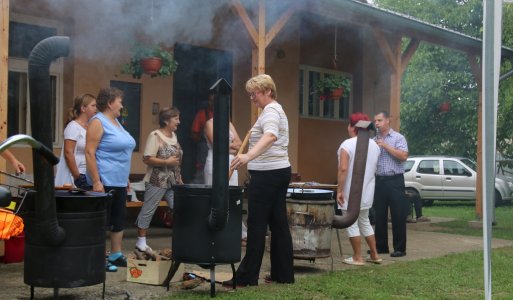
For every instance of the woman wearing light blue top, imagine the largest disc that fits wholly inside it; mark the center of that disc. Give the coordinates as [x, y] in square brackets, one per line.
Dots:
[108, 155]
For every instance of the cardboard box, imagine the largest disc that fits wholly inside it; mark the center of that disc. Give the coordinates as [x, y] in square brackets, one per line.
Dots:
[151, 272]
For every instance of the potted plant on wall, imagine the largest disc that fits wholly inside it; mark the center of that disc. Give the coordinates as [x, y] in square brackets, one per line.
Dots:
[333, 87]
[152, 60]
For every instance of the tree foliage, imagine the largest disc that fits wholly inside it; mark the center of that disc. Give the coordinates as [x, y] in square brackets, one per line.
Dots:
[437, 74]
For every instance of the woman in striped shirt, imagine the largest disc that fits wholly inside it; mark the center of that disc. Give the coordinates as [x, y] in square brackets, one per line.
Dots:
[269, 167]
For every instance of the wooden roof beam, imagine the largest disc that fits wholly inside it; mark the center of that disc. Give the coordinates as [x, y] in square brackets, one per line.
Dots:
[278, 26]
[241, 11]
[408, 53]
[387, 51]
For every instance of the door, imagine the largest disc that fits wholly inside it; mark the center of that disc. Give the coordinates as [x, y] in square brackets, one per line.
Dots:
[428, 176]
[458, 181]
[198, 69]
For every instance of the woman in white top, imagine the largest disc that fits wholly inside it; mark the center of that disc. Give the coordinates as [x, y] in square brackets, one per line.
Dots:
[71, 168]
[346, 155]
[235, 144]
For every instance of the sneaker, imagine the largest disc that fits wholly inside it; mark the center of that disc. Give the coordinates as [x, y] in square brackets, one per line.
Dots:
[411, 220]
[119, 262]
[423, 219]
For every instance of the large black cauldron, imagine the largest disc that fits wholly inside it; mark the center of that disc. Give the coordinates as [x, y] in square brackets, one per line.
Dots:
[80, 259]
[207, 219]
[193, 240]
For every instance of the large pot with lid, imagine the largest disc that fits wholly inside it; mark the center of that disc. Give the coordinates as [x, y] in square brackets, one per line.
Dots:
[310, 214]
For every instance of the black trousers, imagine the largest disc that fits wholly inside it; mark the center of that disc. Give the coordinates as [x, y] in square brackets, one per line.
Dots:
[389, 193]
[267, 191]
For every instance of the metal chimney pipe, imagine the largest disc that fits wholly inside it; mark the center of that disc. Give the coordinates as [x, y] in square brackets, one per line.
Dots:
[220, 192]
[40, 59]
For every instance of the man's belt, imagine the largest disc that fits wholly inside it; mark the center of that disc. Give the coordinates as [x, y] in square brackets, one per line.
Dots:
[388, 177]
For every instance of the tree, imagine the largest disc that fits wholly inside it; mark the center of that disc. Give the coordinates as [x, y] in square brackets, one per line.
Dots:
[437, 74]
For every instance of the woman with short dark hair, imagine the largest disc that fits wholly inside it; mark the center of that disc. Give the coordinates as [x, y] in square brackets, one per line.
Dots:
[163, 155]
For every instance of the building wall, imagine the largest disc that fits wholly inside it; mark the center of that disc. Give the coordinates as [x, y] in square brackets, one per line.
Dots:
[319, 139]
[303, 40]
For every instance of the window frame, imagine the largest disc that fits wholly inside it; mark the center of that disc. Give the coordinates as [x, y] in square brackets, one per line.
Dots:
[20, 65]
[305, 91]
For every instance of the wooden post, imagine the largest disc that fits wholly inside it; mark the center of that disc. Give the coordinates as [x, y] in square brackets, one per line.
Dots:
[260, 38]
[4, 70]
[475, 67]
[398, 61]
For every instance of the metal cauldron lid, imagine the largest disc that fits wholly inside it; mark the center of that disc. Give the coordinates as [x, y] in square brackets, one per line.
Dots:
[82, 194]
[309, 194]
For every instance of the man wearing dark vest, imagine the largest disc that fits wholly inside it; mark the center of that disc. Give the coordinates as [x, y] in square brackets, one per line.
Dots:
[389, 191]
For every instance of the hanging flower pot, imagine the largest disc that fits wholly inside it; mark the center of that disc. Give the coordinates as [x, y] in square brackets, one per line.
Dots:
[336, 93]
[444, 107]
[153, 60]
[151, 65]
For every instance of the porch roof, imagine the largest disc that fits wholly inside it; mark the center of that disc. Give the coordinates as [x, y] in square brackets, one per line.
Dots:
[365, 14]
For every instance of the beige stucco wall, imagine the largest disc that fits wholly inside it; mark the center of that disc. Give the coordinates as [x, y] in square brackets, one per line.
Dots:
[313, 142]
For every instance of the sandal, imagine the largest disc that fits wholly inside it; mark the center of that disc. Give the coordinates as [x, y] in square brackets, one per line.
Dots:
[119, 262]
[351, 261]
[110, 267]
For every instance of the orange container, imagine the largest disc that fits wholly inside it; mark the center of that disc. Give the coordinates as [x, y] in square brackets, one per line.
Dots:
[14, 249]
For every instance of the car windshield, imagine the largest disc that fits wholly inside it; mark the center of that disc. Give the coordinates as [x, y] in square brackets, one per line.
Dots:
[470, 163]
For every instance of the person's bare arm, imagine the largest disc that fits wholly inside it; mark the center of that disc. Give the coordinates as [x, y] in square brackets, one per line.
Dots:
[93, 137]
[209, 131]
[236, 142]
[69, 157]
[160, 162]
[264, 143]
[398, 154]
[343, 167]
[17, 165]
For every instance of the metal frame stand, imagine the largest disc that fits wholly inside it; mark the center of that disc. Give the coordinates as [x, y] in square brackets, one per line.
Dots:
[176, 264]
[56, 292]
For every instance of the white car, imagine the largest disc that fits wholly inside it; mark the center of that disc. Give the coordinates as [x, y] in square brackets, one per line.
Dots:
[449, 178]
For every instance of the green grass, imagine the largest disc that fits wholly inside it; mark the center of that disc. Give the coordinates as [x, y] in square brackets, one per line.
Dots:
[465, 212]
[457, 276]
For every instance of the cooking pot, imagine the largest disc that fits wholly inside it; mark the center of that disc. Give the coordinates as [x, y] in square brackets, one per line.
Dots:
[309, 194]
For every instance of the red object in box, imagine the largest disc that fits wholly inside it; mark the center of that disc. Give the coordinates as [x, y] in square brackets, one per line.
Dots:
[14, 249]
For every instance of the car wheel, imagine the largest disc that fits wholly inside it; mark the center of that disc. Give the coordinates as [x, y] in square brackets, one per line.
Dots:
[498, 198]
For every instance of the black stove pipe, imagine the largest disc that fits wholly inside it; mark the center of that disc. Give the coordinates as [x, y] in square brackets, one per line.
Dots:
[40, 59]
[220, 193]
[355, 194]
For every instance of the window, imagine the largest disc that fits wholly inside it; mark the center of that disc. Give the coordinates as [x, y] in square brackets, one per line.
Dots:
[455, 168]
[408, 165]
[24, 33]
[429, 167]
[311, 106]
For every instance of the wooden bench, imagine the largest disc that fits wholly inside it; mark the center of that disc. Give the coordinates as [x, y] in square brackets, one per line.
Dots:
[140, 203]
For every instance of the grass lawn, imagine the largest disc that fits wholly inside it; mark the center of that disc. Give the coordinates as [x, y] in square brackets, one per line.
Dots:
[464, 212]
[456, 276]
